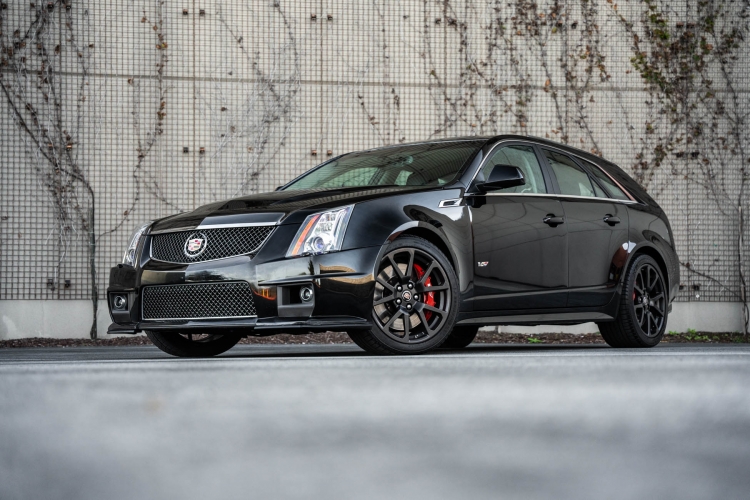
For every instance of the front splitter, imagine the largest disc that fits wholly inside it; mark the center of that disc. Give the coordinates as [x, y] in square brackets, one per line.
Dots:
[249, 326]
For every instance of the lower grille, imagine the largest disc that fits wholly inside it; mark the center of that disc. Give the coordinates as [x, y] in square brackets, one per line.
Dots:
[198, 301]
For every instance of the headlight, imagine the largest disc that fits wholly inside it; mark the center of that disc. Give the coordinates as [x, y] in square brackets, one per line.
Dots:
[129, 257]
[321, 233]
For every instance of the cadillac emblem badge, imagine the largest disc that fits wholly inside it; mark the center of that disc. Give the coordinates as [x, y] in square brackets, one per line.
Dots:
[195, 245]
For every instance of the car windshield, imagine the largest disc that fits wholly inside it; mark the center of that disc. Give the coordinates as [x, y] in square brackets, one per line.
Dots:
[432, 164]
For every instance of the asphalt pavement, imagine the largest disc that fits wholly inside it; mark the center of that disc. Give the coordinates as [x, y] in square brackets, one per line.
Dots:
[329, 422]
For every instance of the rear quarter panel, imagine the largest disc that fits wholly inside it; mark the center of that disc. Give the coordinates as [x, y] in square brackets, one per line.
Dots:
[649, 228]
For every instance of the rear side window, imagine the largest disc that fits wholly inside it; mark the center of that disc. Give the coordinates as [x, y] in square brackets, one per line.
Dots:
[572, 178]
[614, 189]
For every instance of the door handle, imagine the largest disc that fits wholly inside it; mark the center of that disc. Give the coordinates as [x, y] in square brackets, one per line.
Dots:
[553, 221]
[609, 219]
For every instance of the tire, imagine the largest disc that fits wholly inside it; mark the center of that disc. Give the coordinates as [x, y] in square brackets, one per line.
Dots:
[357, 337]
[642, 316]
[460, 337]
[414, 281]
[187, 346]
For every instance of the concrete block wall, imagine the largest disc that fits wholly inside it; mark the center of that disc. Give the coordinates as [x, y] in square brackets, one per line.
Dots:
[259, 86]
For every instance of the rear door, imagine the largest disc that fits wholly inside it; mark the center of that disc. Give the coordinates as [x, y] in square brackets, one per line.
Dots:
[520, 261]
[597, 226]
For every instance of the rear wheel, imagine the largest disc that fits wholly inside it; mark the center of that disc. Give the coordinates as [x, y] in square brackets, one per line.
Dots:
[193, 345]
[460, 337]
[642, 317]
[415, 300]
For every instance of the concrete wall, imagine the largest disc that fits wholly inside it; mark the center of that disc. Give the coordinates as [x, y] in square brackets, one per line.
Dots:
[70, 319]
[163, 107]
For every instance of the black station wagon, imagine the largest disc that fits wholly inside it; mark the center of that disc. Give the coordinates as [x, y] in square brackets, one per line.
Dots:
[408, 248]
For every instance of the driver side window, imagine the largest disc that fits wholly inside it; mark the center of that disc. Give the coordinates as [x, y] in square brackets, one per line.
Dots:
[525, 159]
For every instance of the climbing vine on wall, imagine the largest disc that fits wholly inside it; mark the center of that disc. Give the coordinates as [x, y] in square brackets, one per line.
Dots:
[32, 55]
[509, 54]
[691, 73]
[250, 132]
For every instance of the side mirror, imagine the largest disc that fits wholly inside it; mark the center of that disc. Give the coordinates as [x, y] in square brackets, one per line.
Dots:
[501, 177]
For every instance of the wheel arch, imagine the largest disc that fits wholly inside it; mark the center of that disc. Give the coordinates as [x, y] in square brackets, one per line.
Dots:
[654, 253]
[429, 233]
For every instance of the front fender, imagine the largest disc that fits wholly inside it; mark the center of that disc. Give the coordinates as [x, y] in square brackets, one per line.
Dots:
[417, 227]
[378, 222]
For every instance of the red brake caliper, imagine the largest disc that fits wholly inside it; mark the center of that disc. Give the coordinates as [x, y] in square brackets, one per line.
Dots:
[429, 297]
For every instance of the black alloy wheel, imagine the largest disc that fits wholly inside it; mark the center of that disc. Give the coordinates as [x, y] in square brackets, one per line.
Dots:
[412, 295]
[649, 300]
[193, 345]
[413, 308]
[642, 317]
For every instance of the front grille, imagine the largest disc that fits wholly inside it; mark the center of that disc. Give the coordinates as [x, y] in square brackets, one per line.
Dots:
[198, 301]
[218, 243]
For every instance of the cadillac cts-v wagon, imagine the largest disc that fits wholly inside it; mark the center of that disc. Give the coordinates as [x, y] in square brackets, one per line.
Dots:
[408, 248]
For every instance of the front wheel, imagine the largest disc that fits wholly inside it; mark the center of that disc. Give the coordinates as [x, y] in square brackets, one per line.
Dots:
[642, 318]
[193, 345]
[415, 301]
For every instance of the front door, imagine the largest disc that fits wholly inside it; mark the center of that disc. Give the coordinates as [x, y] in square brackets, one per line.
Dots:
[520, 253]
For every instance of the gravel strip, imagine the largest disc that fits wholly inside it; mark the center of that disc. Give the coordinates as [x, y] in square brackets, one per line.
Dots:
[342, 338]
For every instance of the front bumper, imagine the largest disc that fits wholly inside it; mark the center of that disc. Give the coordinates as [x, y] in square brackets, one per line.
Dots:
[343, 284]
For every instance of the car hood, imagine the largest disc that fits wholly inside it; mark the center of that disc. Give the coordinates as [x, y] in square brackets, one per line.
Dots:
[284, 207]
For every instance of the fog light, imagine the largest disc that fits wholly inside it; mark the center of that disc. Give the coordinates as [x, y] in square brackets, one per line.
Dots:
[120, 302]
[306, 293]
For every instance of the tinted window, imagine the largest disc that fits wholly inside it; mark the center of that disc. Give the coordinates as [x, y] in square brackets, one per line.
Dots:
[598, 191]
[614, 189]
[354, 177]
[525, 159]
[571, 178]
[432, 164]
